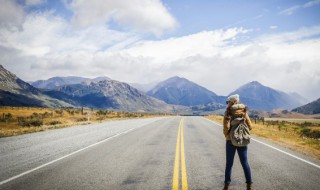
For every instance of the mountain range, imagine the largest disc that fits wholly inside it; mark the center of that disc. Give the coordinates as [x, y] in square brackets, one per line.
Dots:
[310, 108]
[56, 82]
[109, 94]
[180, 91]
[260, 97]
[93, 93]
[16, 92]
[175, 94]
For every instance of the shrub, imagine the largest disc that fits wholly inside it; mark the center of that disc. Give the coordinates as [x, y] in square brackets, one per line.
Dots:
[34, 115]
[101, 112]
[310, 133]
[7, 117]
[100, 118]
[71, 112]
[82, 119]
[60, 112]
[305, 124]
[55, 123]
[30, 122]
[46, 115]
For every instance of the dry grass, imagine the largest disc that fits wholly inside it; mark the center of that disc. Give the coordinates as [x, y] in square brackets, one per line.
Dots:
[21, 120]
[217, 118]
[294, 120]
[290, 133]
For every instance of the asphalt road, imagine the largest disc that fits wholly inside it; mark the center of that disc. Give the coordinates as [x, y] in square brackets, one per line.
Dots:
[158, 153]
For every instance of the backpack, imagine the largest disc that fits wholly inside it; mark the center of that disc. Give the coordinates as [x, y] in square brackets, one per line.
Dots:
[239, 130]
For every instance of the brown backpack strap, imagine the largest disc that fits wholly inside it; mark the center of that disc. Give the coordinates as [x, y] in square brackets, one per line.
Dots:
[245, 113]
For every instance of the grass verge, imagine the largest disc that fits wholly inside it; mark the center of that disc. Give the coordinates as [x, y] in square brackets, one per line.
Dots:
[301, 136]
[21, 120]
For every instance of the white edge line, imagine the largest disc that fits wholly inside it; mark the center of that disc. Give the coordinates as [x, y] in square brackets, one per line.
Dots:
[70, 154]
[296, 157]
[284, 152]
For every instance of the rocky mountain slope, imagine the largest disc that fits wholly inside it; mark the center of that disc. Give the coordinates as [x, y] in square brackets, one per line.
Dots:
[16, 92]
[260, 97]
[180, 91]
[110, 94]
[310, 108]
[55, 82]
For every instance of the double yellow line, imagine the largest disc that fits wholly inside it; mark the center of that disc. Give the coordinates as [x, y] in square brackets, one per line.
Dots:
[180, 149]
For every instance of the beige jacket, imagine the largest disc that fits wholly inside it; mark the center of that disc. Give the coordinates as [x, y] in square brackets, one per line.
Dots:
[233, 111]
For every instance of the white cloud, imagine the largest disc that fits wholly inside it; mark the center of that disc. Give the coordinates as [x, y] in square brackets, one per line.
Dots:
[291, 10]
[44, 34]
[11, 14]
[206, 43]
[34, 2]
[298, 35]
[272, 27]
[48, 45]
[142, 15]
[311, 3]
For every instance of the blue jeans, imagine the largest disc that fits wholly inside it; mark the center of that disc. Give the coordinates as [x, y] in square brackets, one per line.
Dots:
[242, 152]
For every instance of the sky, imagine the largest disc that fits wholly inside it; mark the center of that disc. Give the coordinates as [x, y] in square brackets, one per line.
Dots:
[218, 44]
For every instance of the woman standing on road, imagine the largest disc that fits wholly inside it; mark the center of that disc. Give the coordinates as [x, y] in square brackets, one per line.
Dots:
[230, 114]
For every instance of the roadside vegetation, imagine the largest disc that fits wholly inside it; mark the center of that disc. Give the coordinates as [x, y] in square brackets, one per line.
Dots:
[21, 120]
[302, 135]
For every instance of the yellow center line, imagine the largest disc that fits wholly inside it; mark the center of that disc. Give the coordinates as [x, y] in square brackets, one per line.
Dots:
[183, 162]
[175, 182]
[180, 150]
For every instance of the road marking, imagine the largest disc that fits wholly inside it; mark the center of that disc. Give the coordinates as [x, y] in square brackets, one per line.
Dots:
[183, 162]
[180, 150]
[68, 155]
[284, 152]
[175, 182]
